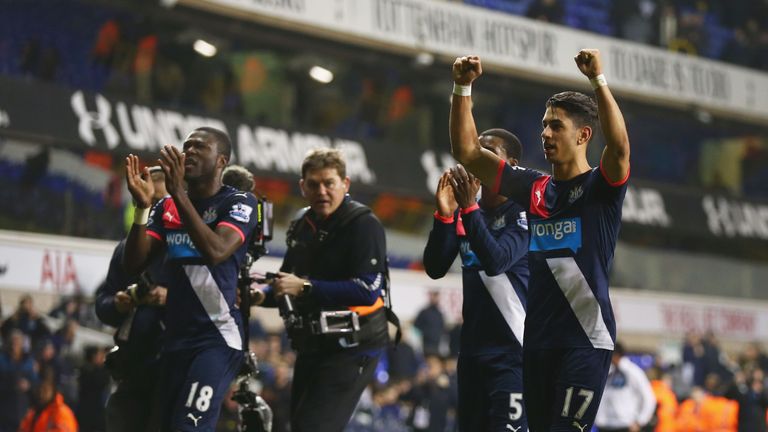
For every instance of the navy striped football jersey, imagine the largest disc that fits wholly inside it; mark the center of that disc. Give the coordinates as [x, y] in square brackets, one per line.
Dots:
[573, 225]
[200, 307]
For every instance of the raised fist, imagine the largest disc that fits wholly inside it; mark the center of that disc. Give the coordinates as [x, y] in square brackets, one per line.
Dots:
[588, 61]
[466, 69]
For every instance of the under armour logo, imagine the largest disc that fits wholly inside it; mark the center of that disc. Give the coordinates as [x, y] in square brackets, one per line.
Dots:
[194, 419]
[513, 429]
[91, 120]
[579, 427]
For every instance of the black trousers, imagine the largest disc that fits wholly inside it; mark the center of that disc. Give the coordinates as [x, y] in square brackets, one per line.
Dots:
[327, 386]
[134, 404]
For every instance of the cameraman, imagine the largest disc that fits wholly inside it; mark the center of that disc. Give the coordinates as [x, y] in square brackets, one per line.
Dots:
[138, 316]
[336, 262]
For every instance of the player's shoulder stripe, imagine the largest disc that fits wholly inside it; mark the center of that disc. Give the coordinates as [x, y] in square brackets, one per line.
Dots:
[497, 181]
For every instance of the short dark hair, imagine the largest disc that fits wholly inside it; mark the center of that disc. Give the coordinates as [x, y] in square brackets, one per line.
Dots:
[512, 145]
[238, 177]
[321, 158]
[581, 108]
[223, 143]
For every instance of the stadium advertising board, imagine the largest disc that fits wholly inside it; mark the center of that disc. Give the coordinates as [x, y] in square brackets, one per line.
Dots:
[95, 121]
[661, 313]
[51, 264]
[514, 44]
[38, 263]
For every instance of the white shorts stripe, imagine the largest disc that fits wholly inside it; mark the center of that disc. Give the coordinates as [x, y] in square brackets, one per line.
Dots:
[215, 305]
[583, 302]
[504, 295]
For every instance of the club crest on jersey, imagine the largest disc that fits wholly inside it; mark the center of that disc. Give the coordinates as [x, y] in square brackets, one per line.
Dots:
[575, 194]
[499, 223]
[209, 215]
[241, 212]
[555, 234]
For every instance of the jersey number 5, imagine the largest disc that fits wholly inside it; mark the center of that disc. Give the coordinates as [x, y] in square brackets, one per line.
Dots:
[586, 394]
[516, 406]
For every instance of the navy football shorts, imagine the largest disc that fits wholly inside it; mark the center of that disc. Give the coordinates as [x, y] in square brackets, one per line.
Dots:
[491, 393]
[563, 387]
[196, 382]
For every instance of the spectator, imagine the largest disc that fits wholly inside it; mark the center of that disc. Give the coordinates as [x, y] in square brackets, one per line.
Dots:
[64, 340]
[692, 32]
[628, 402]
[48, 413]
[715, 361]
[26, 319]
[667, 23]
[17, 374]
[47, 357]
[432, 398]
[634, 20]
[388, 414]
[278, 395]
[748, 390]
[753, 358]
[93, 388]
[76, 308]
[69, 359]
[403, 360]
[694, 370]
[106, 43]
[431, 324]
[666, 400]
[550, 11]
[704, 412]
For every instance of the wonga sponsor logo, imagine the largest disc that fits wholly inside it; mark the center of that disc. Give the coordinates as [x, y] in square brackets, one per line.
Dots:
[180, 245]
[556, 234]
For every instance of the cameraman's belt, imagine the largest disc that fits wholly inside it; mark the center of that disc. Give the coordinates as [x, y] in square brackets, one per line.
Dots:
[367, 310]
[335, 322]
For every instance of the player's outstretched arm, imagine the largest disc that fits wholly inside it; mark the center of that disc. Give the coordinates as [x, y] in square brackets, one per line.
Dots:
[615, 159]
[465, 146]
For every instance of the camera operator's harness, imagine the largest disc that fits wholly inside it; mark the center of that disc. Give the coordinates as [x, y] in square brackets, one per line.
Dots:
[344, 324]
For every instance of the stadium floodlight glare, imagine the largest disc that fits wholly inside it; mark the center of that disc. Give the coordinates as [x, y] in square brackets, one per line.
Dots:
[321, 74]
[204, 48]
[424, 59]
